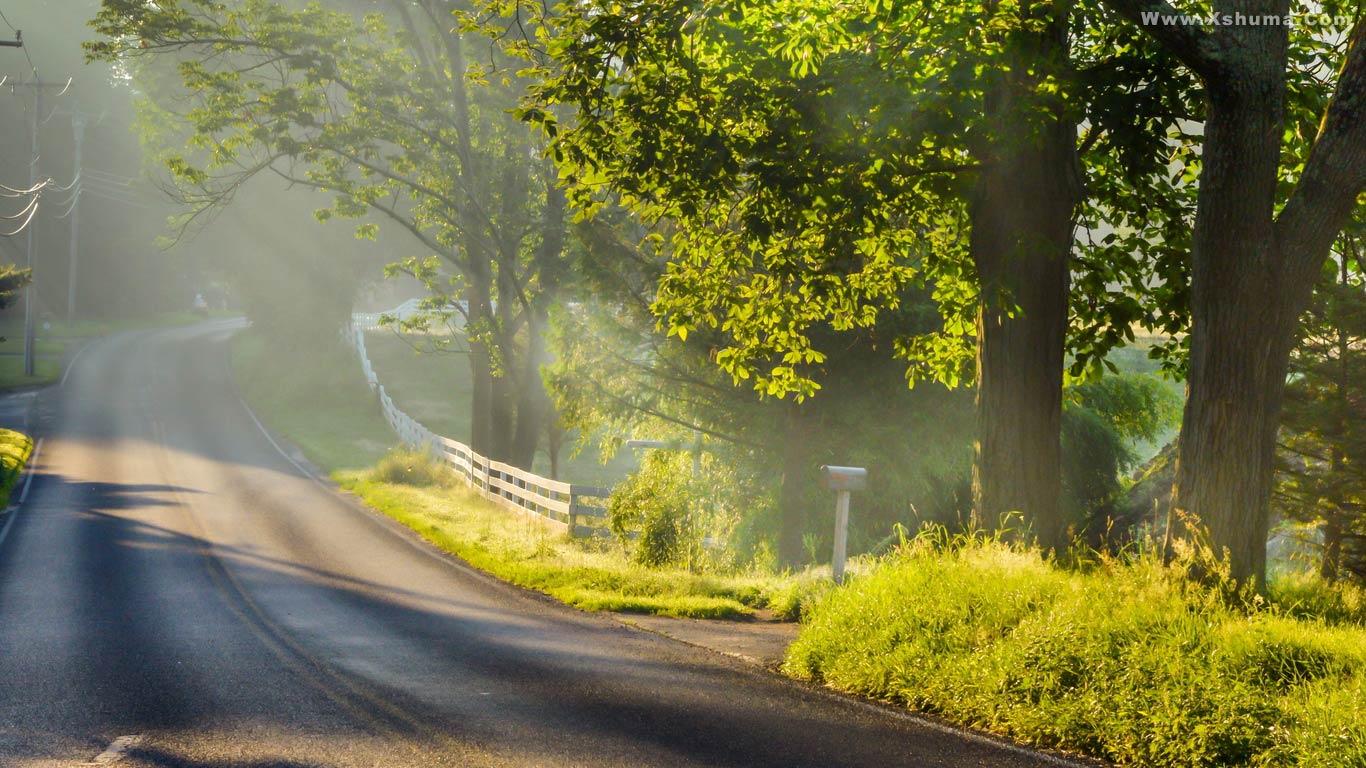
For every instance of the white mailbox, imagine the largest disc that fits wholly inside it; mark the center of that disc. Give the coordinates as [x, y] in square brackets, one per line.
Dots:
[843, 481]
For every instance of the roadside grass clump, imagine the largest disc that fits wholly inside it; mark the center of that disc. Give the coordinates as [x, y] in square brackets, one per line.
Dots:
[15, 448]
[406, 466]
[593, 574]
[12, 376]
[1126, 661]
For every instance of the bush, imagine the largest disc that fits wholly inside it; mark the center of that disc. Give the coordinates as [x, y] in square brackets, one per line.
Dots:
[654, 506]
[1129, 662]
[410, 467]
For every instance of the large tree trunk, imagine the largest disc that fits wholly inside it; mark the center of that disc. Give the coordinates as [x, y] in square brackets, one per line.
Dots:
[1253, 271]
[502, 415]
[533, 404]
[478, 298]
[1239, 359]
[1244, 311]
[794, 494]
[1023, 218]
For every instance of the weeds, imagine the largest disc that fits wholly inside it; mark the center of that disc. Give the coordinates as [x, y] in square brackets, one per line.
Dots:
[409, 467]
[1130, 661]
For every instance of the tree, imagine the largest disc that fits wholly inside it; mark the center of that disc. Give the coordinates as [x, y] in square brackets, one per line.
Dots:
[12, 280]
[386, 114]
[819, 159]
[1268, 212]
[1322, 467]
[618, 374]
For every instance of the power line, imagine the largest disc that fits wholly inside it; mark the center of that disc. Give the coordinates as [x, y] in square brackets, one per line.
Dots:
[18, 42]
[32, 211]
[117, 199]
[7, 191]
[33, 201]
[75, 200]
[112, 177]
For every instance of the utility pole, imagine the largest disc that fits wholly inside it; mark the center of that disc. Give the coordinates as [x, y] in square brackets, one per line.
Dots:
[33, 227]
[78, 133]
[78, 123]
[38, 86]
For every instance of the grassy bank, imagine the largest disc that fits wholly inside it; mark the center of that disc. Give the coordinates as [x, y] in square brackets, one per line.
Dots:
[45, 371]
[15, 448]
[317, 398]
[315, 395]
[592, 575]
[1126, 662]
[52, 340]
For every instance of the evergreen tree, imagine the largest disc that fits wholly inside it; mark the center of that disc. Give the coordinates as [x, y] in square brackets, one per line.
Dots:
[1322, 467]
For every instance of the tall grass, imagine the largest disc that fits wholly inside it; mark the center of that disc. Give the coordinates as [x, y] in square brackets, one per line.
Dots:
[591, 574]
[1130, 662]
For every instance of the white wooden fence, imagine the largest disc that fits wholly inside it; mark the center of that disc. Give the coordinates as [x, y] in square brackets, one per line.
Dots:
[576, 507]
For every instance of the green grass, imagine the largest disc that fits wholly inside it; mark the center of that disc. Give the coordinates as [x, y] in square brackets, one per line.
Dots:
[45, 371]
[15, 448]
[1127, 662]
[54, 340]
[315, 396]
[434, 388]
[593, 575]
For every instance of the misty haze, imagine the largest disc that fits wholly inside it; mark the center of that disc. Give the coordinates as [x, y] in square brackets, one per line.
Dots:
[413, 383]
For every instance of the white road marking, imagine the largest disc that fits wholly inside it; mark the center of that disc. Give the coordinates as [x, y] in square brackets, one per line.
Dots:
[114, 752]
[266, 433]
[71, 366]
[28, 471]
[10, 514]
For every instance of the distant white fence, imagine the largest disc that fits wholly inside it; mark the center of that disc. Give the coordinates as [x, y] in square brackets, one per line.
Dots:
[368, 321]
[576, 507]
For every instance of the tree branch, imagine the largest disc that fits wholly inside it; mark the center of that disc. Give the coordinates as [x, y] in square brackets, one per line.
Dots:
[1189, 43]
[1335, 174]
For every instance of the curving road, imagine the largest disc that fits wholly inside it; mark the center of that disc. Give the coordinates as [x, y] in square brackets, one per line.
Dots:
[173, 592]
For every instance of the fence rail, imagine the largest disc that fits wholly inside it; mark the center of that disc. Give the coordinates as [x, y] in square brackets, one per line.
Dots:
[575, 507]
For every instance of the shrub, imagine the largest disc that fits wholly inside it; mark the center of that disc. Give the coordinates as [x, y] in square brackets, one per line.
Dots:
[654, 505]
[1129, 662]
[410, 467]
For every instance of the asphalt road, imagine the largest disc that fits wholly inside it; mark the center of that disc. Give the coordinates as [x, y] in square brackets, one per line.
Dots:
[173, 592]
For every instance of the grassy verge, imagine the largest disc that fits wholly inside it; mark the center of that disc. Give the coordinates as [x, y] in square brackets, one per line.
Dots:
[45, 371]
[52, 340]
[317, 398]
[592, 575]
[1126, 662]
[315, 395]
[15, 448]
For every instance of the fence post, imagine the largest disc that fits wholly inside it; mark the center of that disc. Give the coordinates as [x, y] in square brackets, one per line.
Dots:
[573, 518]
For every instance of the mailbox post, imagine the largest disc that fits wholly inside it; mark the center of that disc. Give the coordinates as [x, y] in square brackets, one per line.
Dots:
[843, 481]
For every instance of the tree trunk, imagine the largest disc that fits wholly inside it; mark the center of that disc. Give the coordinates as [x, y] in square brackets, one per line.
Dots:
[1023, 218]
[1330, 564]
[477, 296]
[798, 470]
[1253, 271]
[533, 404]
[1244, 312]
[501, 416]
[1228, 434]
